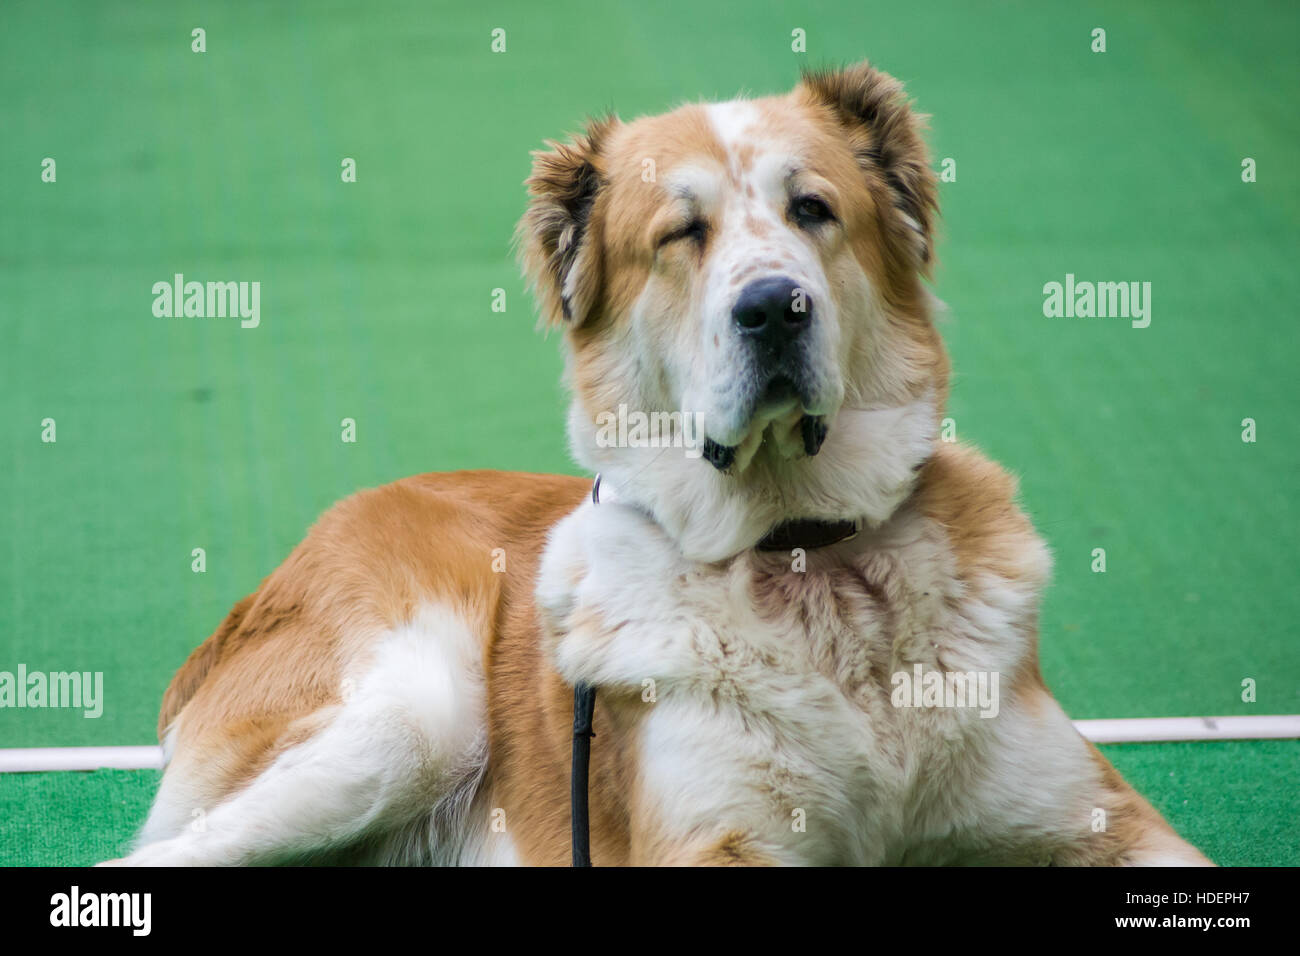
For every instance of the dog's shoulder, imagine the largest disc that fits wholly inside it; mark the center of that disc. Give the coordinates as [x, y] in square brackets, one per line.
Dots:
[975, 501]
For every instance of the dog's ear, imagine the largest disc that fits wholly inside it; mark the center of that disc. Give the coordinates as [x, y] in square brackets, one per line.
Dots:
[558, 238]
[885, 134]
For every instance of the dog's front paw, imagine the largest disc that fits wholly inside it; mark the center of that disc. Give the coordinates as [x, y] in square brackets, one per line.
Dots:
[604, 594]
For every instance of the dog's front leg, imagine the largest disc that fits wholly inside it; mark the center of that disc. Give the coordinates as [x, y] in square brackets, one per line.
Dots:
[1053, 789]
[1135, 833]
[608, 596]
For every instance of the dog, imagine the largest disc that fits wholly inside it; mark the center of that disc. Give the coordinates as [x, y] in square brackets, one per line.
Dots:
[785, 621]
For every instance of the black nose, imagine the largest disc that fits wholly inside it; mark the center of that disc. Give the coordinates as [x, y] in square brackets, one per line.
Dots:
[774, 310]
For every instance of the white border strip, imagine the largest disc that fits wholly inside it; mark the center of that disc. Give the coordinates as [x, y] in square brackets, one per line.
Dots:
[32, 759]
[1129, 730]
[1157, 729]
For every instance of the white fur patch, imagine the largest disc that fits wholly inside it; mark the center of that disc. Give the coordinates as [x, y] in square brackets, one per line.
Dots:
[395, 765]
[773, 714]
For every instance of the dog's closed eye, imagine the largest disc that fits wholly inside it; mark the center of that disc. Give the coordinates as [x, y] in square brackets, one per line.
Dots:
[696, 230]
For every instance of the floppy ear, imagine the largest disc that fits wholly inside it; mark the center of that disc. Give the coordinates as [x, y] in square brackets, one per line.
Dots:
[886, 137]
[559, 243]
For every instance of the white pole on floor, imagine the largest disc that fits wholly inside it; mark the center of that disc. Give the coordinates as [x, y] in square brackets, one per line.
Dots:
[31, 759]
[1160, 729]
[1125, 730]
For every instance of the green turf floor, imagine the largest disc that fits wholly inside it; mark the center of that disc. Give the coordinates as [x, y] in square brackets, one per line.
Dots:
[1232, 799]
[376, 305]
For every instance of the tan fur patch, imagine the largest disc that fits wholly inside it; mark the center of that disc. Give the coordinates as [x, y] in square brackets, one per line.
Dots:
[278, 658]
[974, 500]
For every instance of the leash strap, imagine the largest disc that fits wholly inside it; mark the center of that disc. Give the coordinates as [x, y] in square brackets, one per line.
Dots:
[584, 706]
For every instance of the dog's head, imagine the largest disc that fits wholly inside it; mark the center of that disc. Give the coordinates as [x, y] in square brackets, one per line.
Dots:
[747, 332]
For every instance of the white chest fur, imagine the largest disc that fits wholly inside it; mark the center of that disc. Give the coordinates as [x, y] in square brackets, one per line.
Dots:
[773, 701]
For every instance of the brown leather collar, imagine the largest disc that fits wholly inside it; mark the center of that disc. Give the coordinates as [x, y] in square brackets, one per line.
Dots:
[808, 533]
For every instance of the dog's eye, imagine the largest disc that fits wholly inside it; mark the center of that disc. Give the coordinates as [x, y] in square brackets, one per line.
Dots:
[697, 230]
[811, 211]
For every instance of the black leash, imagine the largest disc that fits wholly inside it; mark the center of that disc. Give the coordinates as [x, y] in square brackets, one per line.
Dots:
[584, 705]
[584, 708]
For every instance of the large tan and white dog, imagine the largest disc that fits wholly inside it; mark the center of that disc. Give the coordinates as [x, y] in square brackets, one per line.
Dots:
[400, 689]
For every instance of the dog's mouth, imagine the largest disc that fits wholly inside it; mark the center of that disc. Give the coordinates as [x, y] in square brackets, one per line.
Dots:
[780, 420]
[812, 432]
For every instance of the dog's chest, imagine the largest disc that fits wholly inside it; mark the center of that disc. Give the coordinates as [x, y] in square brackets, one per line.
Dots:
[768, 692]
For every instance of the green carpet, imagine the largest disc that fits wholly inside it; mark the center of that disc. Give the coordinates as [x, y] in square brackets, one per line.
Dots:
[376, 305]
[1231, 799]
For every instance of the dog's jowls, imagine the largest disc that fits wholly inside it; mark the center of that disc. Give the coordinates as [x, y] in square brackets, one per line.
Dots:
[399, 690]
